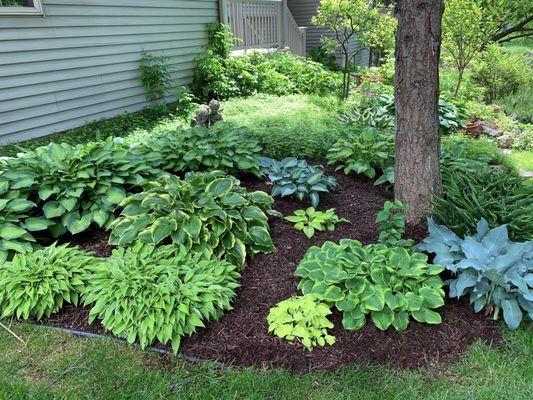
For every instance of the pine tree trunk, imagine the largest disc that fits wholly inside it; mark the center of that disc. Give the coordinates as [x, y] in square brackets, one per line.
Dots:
[417, 173]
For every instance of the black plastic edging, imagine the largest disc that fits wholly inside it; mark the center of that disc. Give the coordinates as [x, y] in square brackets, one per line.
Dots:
[89, 335]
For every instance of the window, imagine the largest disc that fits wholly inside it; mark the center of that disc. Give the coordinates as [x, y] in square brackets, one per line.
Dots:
[21, 7]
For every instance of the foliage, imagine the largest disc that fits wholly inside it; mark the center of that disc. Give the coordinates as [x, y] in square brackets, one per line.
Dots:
[501, 73]
[223, 147]
[390, 284]
[324, 54]
[507, 19]
[146, 293]
[523, 159]
[368, 21]
[499, 198]
[204, 211]
[391, 221]
[519, 105]
[363, 153]
[38, 283]
[309, 221]
[494, 272]
[304, 318]
[293, 177]
[155, 76]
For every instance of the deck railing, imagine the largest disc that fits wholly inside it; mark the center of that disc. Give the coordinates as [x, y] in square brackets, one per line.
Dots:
[262, 24]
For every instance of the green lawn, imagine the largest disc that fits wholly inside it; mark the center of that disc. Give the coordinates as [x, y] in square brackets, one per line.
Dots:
[52, 365]
[523, 159]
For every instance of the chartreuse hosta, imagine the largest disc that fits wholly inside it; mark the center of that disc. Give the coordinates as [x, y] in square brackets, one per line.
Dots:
[495, 273]
[390, 284]
[309, 221]
[203, 211]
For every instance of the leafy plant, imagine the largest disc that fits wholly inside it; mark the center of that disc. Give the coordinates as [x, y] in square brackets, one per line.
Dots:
[155, 76]
[309, 221]
[304, 318]
[149, 293]
[293, 177]
[391, 221]
[494, 272]
[204, 211]
[388, 283]
[363, 153]
[38, 283]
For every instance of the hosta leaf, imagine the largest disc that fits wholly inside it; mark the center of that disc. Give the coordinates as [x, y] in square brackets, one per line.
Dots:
[193, 227]
[36, 224]
[383, 319]
[81, 224]
[219, 187]
[511, 313]
[401, 320]
[427, 316]
[432, 298]
[53, 209]
[9, 231]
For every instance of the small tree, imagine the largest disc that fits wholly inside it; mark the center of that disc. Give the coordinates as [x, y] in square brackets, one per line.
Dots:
[367, 21]
[463, 35]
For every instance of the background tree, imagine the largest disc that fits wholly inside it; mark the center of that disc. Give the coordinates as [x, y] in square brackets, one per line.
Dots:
[418, 42]
[367, 21]
[463, 35]
[506, 20]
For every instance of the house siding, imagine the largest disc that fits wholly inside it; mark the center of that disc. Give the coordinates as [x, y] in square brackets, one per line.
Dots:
[80, 62]
[303, 11]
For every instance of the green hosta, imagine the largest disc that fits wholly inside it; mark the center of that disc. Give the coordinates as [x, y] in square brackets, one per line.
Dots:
[391, 221]
[293, 177]
[223, 148]
[390, 284]
[37, 284]
[309, 221]
[494, 272]
[363, 153]
[146, 293]
[304, 318]
[202, 211]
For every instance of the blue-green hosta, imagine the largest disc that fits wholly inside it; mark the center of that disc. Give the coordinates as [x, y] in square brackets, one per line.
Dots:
[293, 177]
[494, 272]
[38, 283]
[146, 293]
[203, 211]
[390, 284]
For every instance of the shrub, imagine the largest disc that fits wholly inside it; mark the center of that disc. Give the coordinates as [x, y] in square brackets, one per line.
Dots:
[293, 177]
[203, 211]
[494, 272]
[391, 221]
[38, 283]
[390, 284]
[155, 76]
[519, 105]
[501, 73]
[304, 318]
[149, 293]
[309, 221]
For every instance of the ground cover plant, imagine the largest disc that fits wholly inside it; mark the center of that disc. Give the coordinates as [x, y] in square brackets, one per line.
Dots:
[203, 211]
[495, 273]
[310, 220]
[144, 293]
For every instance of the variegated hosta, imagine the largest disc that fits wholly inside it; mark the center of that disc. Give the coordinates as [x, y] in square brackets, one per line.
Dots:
[203, 211]
[390, 284]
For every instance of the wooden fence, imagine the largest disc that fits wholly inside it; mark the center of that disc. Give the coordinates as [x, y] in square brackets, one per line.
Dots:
[262, 24]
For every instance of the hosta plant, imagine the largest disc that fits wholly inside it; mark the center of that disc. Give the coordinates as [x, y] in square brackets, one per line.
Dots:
[203, 211]
[146, 293]
[495, 273]
[363, 153]
[391, 221]
[303, 318]
[390, 284]
[38, 283]
[309, 221]
[293, 177]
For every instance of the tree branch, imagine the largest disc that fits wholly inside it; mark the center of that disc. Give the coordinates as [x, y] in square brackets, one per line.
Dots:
[516, 28]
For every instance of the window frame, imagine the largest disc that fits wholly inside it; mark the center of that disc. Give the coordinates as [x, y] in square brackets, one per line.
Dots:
[37, 9]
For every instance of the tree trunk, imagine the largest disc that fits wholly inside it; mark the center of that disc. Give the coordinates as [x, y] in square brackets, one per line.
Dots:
[459, 81]
[418, 38]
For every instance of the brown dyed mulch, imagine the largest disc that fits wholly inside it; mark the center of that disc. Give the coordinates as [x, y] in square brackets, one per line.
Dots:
[240, 337]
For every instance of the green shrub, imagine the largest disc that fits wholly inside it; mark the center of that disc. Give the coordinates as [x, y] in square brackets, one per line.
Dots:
[390, 284]
[149, 293]
[203, 211]
[38, 283]
[310, 220]
[494, 272]
[293, 177]
[501, 73]
[155, 76]
[304, 318]
[519, 105]
[391, 221]
[324, 54]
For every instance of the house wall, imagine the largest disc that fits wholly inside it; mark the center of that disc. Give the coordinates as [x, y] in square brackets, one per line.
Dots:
[80, 62]
[303, 11]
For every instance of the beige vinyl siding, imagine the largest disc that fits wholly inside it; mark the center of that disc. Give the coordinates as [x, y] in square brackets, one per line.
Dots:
[303, 11]
[80, 62]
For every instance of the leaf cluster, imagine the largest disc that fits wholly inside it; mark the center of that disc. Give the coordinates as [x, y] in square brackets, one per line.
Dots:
[309, 221]
[154, 73]
[391, 221]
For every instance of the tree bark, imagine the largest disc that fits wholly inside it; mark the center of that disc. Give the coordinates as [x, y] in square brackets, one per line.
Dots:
[418, 39]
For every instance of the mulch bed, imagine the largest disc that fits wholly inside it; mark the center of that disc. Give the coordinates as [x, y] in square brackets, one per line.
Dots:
[241, 338]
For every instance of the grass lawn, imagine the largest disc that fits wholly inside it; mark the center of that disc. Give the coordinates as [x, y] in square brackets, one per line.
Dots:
[52, 365]
[523, 159]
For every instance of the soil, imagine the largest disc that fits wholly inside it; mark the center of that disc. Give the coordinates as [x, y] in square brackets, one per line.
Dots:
[241, 338]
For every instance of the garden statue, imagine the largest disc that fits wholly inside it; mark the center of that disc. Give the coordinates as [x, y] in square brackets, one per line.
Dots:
[207, 115]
